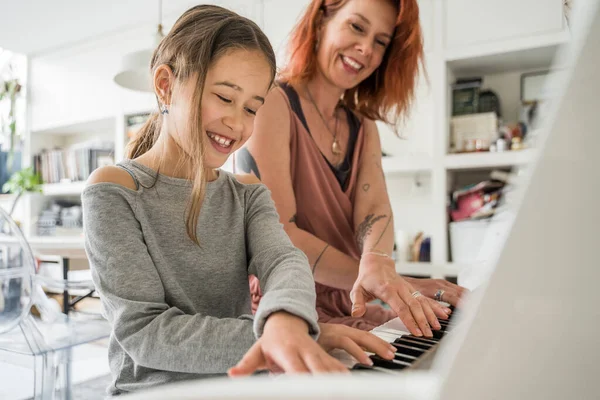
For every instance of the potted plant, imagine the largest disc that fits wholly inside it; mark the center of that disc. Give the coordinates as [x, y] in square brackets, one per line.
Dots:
[21, 182]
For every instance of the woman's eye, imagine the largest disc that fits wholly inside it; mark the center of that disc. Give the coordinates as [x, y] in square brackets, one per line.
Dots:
[381, 43]
[357, 27]
[224, 99]
[251, 111]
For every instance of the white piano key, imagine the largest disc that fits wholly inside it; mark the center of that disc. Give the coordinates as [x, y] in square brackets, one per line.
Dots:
[388, 337]
[395, 324]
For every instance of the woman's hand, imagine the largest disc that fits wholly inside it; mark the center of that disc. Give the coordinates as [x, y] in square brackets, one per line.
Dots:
[377, 279]
[355, 342]
[286, 346]
[450, 293]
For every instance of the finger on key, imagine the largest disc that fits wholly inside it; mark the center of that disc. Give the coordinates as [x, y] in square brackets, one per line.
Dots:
[403, 312]
[429, 313]
[440, 311]
[417, 312]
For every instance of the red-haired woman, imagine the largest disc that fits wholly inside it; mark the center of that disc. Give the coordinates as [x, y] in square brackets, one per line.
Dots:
[317, 148]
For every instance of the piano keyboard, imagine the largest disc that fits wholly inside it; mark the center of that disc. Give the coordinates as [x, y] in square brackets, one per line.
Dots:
[411, 351]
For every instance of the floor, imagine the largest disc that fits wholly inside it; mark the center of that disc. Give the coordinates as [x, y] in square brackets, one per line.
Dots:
[90, 378]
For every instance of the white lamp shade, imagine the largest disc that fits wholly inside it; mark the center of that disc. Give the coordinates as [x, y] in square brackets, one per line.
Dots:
[135, 71]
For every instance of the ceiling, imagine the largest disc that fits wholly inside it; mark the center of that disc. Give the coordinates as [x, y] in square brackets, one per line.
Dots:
[41, 26]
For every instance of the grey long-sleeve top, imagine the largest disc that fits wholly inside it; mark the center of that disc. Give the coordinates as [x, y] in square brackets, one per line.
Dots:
[179, 311]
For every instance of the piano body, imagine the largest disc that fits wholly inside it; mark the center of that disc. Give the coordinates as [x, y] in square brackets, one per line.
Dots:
[531, 330]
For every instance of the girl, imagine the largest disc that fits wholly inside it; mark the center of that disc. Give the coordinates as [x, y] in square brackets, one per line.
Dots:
[171, 238]
[317, 148]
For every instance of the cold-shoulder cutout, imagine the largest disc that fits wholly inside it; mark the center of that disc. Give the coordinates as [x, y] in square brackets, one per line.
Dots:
[112, 174]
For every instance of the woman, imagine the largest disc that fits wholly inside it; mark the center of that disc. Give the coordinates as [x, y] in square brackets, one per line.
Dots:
[317, 148]
[171, 239]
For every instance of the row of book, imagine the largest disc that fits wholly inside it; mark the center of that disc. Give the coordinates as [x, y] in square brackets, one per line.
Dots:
[74, 164]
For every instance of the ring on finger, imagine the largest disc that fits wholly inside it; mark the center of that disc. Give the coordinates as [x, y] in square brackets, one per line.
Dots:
[416, 294]
[439, 294]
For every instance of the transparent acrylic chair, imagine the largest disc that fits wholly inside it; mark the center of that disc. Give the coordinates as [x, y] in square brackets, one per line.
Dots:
[49, 339]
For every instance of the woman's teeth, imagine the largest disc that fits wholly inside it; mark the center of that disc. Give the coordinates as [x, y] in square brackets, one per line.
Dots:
[223, 142]
[352, 63]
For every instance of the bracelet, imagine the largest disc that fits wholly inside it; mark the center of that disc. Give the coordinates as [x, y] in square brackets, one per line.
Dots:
[377, 253]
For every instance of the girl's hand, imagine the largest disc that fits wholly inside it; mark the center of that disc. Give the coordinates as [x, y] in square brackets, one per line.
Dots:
[286, 346]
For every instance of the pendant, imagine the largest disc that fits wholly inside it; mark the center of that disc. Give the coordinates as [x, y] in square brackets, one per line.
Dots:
[335, 148]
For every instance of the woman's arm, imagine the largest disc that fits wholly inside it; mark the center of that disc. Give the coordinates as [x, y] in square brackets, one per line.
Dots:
[374, 235]
[373, 219]
[267, 155]
[154, 334]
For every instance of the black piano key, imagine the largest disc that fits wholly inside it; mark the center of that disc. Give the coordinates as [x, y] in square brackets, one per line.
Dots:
[405, 358]
[388, 364]
[406, 349]
[414, 343]
[438, 334]
[362, 367]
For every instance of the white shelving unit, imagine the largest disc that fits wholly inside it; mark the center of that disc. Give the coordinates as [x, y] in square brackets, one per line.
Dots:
[491, 46]
[424, 269]
[494, 45]
[487, 160]
[403, 165]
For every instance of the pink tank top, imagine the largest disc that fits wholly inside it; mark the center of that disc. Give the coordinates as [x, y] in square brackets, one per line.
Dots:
[324, 208]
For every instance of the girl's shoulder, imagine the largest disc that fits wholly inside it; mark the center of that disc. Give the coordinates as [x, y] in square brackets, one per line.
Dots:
[112, 174]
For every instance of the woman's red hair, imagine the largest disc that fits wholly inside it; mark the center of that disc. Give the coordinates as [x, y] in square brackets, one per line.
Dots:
[389, 90]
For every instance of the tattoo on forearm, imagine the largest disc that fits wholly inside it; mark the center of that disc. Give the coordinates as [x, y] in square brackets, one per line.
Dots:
[293, 219]
[318, 259]
[366, 187]
[365, 227]
[247, 162]
[384, 229]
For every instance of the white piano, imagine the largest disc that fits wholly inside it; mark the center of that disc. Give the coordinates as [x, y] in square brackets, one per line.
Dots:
[531, 330]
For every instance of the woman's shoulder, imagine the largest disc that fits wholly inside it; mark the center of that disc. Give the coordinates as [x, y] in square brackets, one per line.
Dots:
[277, 100]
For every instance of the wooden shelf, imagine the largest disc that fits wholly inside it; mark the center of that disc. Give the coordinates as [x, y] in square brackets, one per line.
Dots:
[406, 164]
[530, 53]
[63, 189]
[487, 159]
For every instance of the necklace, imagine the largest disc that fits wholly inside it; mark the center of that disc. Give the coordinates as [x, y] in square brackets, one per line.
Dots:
[335, 146]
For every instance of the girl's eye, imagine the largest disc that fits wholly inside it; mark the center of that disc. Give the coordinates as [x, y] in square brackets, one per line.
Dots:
[251, 111]
[381, 43]
[357, 27]
[224, 99]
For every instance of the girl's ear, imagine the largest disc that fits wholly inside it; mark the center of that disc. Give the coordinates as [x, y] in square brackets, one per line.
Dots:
[163, 82]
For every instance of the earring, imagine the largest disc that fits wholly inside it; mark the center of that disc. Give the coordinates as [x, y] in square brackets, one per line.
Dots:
[164, 109]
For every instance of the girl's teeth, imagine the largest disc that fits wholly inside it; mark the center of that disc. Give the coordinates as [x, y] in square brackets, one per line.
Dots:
[222, 141]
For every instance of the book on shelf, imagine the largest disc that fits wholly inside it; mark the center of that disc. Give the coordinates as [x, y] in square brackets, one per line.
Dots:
[73, 164]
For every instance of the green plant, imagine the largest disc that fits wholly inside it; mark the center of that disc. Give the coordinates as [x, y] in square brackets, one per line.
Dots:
[20, 182]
